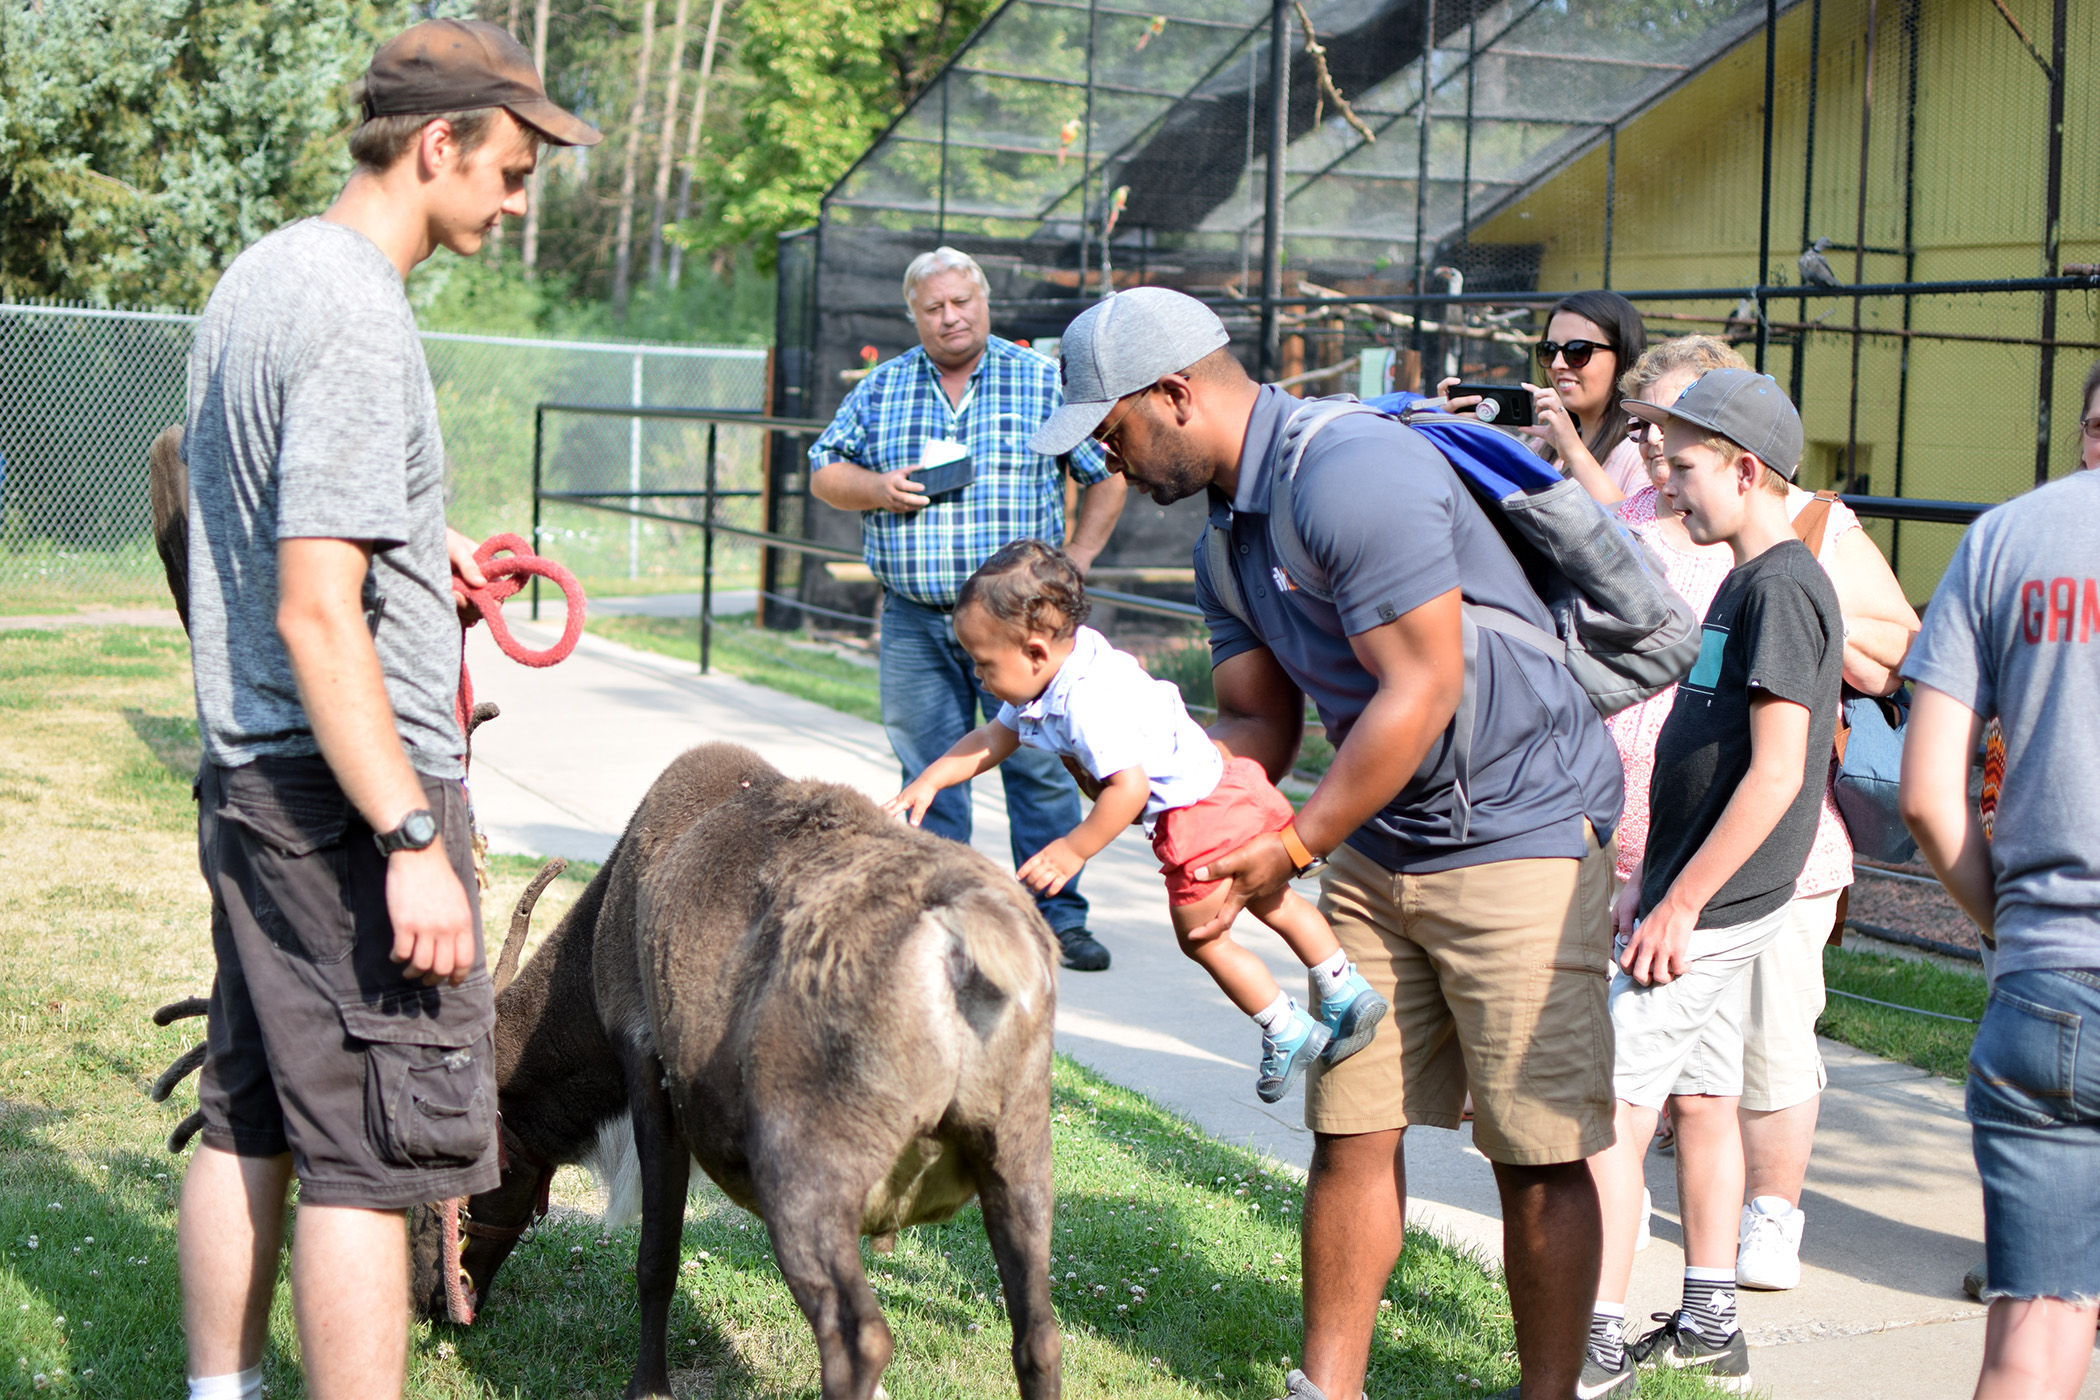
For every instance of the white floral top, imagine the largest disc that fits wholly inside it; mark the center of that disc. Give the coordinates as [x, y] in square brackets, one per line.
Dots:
[1697, 577]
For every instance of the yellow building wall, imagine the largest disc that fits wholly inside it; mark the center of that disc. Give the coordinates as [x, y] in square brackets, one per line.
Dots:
[1686, 215]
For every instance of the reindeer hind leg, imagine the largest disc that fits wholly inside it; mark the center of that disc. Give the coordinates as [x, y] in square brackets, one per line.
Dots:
[813, 1213]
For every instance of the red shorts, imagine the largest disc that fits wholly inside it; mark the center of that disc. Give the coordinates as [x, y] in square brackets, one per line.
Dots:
[1244, 805]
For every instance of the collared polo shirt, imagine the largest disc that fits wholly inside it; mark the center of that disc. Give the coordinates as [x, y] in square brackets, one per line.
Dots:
[886, 422]
[1105, 711]
[1387, 518]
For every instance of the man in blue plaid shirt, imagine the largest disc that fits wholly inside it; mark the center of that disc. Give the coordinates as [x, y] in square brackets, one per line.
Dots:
[964, 391]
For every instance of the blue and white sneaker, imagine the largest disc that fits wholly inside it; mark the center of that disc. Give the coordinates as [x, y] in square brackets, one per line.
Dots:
[1351, 1017]
[1284, 1060]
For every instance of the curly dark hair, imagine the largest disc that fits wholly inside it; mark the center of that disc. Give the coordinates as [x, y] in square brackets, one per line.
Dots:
[1030, 586]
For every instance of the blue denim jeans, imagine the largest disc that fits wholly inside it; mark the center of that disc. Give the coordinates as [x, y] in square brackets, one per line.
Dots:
[930, 699]
[2034, 1111]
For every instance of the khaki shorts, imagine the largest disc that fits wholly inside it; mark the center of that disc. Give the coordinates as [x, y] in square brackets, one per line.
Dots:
[1781, 1065]
[1685, 1036]
[1498, 976]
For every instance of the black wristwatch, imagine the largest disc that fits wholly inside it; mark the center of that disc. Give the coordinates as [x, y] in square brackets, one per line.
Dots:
[417, 830]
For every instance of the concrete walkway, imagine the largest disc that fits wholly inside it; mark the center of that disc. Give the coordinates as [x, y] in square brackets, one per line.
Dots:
[1894, 1212]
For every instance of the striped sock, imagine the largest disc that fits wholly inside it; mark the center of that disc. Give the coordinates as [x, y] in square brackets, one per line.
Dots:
[1709, 1303]
[1608, 1335]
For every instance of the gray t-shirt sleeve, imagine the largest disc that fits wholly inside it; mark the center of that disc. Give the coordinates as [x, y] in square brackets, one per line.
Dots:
[342, 455]
[1786, 641]
[1949, 654]
[1376, 513]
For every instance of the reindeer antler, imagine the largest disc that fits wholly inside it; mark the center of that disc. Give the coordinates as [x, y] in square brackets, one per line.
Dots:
[521, 922]
[183, 1067]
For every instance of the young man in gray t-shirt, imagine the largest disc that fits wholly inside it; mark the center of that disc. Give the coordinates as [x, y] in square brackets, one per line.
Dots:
[349, 1037]
[2014, 632]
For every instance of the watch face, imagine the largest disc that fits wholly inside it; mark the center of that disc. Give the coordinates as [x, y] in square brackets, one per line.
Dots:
[419, 829]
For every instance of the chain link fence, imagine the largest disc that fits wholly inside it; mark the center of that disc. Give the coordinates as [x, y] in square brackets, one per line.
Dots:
[84, 391]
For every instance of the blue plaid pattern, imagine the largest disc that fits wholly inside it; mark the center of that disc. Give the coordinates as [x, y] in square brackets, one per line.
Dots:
[886, 422]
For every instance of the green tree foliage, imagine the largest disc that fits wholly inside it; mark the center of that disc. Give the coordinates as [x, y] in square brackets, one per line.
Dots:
[821, 78]
[144, 143]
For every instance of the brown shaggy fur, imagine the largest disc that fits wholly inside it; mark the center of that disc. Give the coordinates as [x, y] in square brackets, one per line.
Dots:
[168, 485]
[846, 1022]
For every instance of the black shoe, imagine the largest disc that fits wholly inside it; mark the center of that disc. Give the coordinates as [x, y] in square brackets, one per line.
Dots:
[1083, 952]
[1678, 1347]
[1599, 1380]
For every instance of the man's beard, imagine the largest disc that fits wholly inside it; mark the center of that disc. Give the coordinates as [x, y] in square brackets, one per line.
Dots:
[1173, 470]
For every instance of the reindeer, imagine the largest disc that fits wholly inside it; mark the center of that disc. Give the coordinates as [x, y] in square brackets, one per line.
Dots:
[843, 1021]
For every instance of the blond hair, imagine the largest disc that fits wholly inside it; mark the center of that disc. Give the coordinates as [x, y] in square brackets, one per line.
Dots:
[1695, 353]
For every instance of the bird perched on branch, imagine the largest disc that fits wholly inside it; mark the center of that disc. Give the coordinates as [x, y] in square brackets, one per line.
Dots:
[1815, 268]
[1742, 322]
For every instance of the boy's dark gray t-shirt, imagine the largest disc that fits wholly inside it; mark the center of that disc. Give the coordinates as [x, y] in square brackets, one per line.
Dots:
[2013, 631]
[311, 416]
[1774, 627]
[1386, 516]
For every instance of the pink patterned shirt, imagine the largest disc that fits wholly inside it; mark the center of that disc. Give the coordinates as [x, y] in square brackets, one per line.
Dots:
[1697, 577]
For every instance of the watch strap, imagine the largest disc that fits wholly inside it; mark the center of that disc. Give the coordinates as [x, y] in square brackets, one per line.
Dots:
[1301, 856]
[399, 838]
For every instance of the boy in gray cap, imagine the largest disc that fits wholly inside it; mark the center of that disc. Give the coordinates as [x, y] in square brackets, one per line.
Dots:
[1488, 937]
[1739, 772]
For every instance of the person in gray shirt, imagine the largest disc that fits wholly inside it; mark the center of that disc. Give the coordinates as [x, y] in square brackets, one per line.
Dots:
[2013, 633]
[350, 1020]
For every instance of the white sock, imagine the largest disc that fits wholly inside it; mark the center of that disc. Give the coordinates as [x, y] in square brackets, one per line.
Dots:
[242, 1385]
[1774, 1206]
[1275, 1018]
[1330, 973]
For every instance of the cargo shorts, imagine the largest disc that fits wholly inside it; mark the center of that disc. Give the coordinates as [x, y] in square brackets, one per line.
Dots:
[1498, 976]
[382, 1089]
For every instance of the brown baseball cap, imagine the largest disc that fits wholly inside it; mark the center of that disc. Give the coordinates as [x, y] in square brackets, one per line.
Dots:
[457, 65]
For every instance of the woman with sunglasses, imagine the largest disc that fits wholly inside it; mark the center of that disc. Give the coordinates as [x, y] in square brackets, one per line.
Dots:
[1591, 339]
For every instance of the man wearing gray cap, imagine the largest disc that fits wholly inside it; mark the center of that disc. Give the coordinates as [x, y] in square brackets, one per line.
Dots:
[349, 1033]
[1740, 768]
[1490, 935]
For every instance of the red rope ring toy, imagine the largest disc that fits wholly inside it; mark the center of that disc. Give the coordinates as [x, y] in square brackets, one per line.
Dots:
[506, 577]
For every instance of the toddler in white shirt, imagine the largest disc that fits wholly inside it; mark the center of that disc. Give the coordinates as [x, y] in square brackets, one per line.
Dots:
[1065, 689]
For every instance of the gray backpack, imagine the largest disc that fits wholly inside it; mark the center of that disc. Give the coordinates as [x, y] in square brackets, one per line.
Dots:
[1620, 629]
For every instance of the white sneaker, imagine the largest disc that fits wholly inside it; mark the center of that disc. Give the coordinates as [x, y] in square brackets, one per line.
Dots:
[1768, 1247]
[1646, 1237]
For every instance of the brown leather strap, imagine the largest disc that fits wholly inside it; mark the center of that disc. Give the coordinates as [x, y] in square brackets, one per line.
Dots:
[509, 1147]
[1814, 519]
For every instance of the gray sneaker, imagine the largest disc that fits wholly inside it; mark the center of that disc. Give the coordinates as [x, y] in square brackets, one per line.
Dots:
[1297, 1387]
[1726, 1367]
[1599, 1380]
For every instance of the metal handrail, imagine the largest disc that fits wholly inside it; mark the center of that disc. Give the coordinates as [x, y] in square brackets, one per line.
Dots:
[714, 418]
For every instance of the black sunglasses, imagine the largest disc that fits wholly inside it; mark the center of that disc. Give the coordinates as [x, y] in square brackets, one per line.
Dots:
[1578, 352]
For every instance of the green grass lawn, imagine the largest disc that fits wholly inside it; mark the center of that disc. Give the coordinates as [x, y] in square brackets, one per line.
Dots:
[1176, 1255]
[1924, 1041]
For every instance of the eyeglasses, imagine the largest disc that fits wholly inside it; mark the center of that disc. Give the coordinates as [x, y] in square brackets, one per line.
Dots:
[2091, 427]
[1577, 352]
[1106, 433]
[1643, 432]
